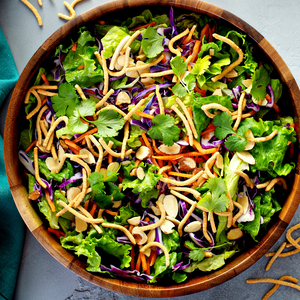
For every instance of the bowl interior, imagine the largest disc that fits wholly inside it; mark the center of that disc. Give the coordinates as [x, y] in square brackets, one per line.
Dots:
[33, 220]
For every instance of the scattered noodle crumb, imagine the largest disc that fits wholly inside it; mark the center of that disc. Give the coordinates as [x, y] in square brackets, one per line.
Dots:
[35, 12]
[72, 12]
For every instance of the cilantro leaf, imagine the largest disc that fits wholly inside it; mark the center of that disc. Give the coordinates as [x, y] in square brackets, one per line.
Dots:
[66, 101]
[190, 81]
[152, 42]
[179, 90]
[178, 66]
[109, 122]
[197, 254]
[235, 142]
[260, 80]
[216, 201]
[163, 128]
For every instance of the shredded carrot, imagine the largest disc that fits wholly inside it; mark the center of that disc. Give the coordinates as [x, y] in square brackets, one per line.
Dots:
[190, 110]
[276, 108]
[57, 232]
[143, 26]
[144, 262]
[86, 205]
[180, 174]
[201, 92]
[155, 147]
[132, 254]
[210, 128]
[154, 161]
[196, 50]
[110, 158]
[153, 256]
[80, 138]
[45, 79]
[72, 145]
[148, 272]
[112, 213]
[178, 156]
[31, 145]
[199, 160]
[50, 202]
[93, 209]
[142, 114]
[268, 97]
[101, 22]
[147, 219]
[138, 262]
[160, 163]
[120, 178]
[146, 141]
[189, 37]
[164, 58]
[204, 31]
[174, 162]
[84, 121]
[44, 101]
[74, 47]
[142, 141]
[80, 67]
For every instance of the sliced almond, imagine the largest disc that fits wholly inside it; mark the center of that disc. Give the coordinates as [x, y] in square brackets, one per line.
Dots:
[211, 52]
[232, 74]
[125, 162]
[193, 226]
[121, 60]
[60, 152]
[156, 210]
[103, 171]
[147, 81]
[113, 167]
[142, 153]
[134, 221]
[133, 74]
[151, 236]
[140, 174]
[171, 205]
[249, 134]
[167, 226]
[90, 157]
[244, 202]
[147, 252]
[123, 98]
[247, 82]
[72, 193]
[246, 157]
[51, 163]
[220, 163]
[218, 92]
[186, 164]
[260, 102]
[80, 225]
[139, 236]
[161, 198]
[117, 203]
[141, 71]
[234, 234]
[174, 149]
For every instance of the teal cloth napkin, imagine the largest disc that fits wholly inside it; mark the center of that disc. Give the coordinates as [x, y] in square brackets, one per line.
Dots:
[11, 224]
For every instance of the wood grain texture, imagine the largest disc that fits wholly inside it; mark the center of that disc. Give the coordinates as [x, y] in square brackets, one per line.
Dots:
[32, 219]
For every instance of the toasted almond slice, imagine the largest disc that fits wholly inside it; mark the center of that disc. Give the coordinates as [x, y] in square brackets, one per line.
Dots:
[134, 220]
[171, 205]
[117, 204]
[142, 153]
[232, 74]
[103, 171]
[218, 92]
[246, 157]
[174, 149]
[139, 236]
[90, 157]
[167, 226]
[234, 234]
[247, 82]
[151, 236]
[51, 163]
[244, 203]
[72, 192]
[193, 226]
[114, 167]
[80, 225]
[249, 134]
[140, 174]
[61, 152]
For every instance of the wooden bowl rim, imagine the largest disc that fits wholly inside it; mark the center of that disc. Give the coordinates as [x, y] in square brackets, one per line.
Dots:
[35, 224]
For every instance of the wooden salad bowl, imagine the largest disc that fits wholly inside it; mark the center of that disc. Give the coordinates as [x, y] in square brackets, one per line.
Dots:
[34, 222]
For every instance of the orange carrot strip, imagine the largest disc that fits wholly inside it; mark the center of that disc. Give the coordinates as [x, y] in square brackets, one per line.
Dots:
[142, 141]
[146, 141]
[276, 108]
[268, 97]
[180, 174]
[154, 161]
[80, 67]
[160, 163]
[84, 121]
[148, 272]
[93, 209]
[188, 38]
[101, 22]
[120, 178]
[178, 156]
[204, 31]
[45, 79]
[74, 47]
[195, 50]
[143, 26]
[132, 254]
[80, 138]
[190, 110]
[71, 144]
[210, 128]
[142, 114]
[199, 160]
[144, 263]
[31, 145]
[155, 147]
[130, 228]
[57, 232]
[50, 202]
[110, 158]
[138, 262]
[86, 205]
[164, 58]
[44, 101]
[153, 256]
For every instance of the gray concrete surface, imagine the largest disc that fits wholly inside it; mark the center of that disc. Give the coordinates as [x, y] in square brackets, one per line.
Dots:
[41, 277]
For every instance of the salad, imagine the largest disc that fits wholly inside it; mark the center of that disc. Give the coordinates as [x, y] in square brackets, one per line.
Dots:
[154, 147]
